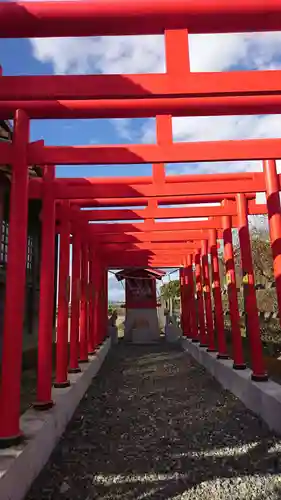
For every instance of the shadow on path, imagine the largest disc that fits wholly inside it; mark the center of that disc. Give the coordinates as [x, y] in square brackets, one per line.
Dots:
[155, 425]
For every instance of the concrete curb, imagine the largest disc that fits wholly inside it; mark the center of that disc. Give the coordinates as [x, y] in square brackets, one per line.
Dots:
[20, 465]
[263, 398]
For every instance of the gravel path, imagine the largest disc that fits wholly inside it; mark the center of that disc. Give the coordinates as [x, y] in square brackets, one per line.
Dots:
[155, 425]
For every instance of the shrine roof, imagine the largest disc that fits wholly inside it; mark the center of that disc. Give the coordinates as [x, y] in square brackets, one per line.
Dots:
[133, 272]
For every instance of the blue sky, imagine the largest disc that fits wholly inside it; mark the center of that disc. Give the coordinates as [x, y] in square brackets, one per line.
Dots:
[17, 59]
[144, 55]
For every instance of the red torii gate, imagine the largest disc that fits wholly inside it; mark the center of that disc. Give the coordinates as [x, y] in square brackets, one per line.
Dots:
[152, 212]
[176, 92]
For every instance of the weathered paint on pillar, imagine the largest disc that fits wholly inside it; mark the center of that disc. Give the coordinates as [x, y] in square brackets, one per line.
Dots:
[185, 303]
[207, 297]
[75, 301]
[101, 303]
[91, 338]
[84, 307]
[192, 305]
[96, 292]
[253, 330]
[47, 290]
[200, 300]
[274, 220]
[63, 299]
[216, 287]
[105, 302]
[182, 297]
[237, 346]
[15, 287]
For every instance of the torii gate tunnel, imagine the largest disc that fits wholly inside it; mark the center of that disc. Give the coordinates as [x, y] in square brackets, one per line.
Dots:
[146, 243]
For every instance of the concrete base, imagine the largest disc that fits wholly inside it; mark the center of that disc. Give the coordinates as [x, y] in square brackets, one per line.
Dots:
[20, 465]
[263, 398]
[143, 336]
[141, 321]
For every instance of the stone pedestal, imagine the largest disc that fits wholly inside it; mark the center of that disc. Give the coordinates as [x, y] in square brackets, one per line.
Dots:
[173, 333]
[141, 326]
[113, 334]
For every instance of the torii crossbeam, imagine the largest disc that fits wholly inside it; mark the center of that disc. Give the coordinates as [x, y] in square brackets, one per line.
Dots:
[114, 232]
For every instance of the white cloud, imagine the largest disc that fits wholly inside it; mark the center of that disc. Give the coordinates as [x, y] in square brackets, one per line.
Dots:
[226, 127]
[211, 167]
[145, 54]
[134, 131]
[124, 54]
[135, 54]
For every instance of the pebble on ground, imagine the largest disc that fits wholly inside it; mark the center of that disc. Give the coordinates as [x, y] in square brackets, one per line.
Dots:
[155, 425]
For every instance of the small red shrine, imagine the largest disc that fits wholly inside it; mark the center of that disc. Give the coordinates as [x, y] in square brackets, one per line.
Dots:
[141, 323]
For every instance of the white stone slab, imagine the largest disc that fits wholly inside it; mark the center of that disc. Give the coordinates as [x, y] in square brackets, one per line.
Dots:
[20, 465]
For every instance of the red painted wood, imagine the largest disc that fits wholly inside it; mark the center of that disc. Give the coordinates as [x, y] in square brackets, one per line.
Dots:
[274, 218]
[15, 283]
[251, 307]
[46, 301]
[75, 300]
[251, 149]
[63, 301]
[216, 287]
[104, 17]
[237, 346]
[82, 87]
[145, 108]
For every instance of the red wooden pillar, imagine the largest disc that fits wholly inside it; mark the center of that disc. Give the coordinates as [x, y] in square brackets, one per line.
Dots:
[237, 347]
[216, 286]
[251, 307]
[75, 302]
[91, 337]
[200, 302]
[274, 219]
[185, 302]
[192, 305]
[47, 290]
[96, 293]
[84, 308]
[15, 287]
[63, 299]
[207, 297]
[104, 303]
[182, 297]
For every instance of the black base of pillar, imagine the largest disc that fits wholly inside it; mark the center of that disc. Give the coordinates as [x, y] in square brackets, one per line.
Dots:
[203, 345]
[74, 370]
[222, 356]
[62, 385]
[11, 441]
[82, 361]
[195, 341]
[259, 378]
[92, 353]
[243, 366]
[43, 406]
[211, 350]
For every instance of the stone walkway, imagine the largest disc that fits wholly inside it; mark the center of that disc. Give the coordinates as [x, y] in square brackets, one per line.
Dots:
[155, 425]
